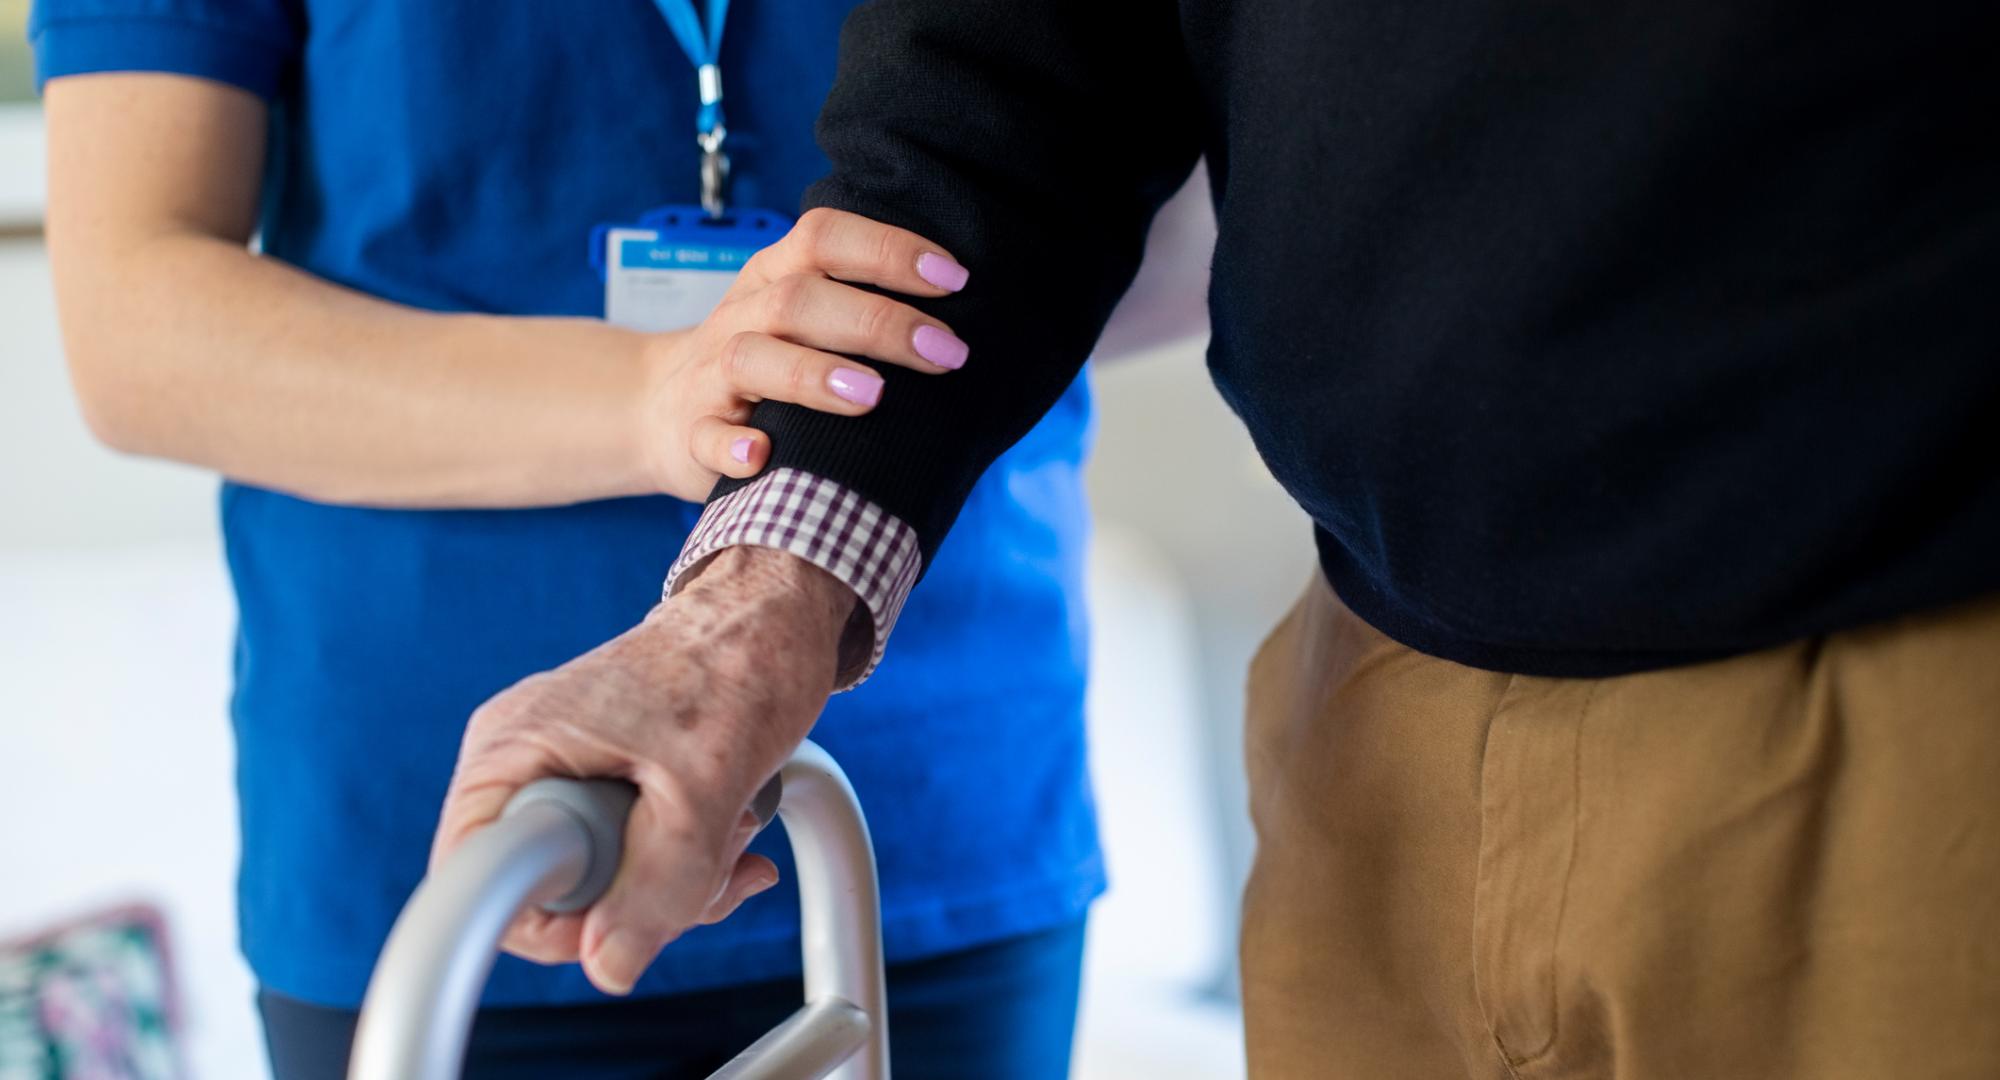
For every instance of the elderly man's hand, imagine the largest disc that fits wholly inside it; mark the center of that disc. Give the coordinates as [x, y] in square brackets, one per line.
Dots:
[699, 705]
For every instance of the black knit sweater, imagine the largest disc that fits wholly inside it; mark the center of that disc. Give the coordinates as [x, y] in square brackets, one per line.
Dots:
[1594, 335]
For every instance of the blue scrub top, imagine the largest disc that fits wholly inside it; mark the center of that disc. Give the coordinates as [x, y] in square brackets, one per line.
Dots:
[453, 155]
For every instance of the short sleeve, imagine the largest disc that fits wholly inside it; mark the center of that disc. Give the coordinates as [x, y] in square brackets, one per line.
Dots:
[251, 44]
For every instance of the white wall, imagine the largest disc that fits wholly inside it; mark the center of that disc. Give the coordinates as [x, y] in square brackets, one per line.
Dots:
[114, 627]
[22, 185]
[58, 489]
[1173, 465]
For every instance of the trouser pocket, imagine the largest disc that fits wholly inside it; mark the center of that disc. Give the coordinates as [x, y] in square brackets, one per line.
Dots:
[1529, 785]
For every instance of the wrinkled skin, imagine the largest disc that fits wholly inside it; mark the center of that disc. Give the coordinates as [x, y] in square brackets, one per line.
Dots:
[698, 706]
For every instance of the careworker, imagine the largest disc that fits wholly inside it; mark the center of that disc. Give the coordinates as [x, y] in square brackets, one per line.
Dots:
[385, 267]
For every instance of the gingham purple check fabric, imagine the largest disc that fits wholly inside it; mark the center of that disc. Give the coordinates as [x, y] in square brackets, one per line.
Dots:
[825, 524]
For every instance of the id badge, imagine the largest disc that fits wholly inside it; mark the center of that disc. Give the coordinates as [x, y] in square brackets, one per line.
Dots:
[668, 270]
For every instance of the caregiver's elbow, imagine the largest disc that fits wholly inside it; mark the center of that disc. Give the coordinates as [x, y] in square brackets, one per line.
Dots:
[117, 394]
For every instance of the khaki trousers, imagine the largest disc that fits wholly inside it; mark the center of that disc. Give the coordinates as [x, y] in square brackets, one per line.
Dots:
[1785, 864]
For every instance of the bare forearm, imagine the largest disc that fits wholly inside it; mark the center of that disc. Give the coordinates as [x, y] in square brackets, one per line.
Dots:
[192, 348]
[185, 345]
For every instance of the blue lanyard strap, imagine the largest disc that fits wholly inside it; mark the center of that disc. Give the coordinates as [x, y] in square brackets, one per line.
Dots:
[703, 46]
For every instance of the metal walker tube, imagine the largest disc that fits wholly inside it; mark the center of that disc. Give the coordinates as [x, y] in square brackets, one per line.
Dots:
[558, 845]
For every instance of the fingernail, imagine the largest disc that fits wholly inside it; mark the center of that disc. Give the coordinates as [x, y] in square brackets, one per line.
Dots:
[616, 956]
[941, 347]
[740, 450]
[860, 387]
[941, 272]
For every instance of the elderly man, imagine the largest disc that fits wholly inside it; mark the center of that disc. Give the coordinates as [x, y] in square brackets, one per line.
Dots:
[1636, 365]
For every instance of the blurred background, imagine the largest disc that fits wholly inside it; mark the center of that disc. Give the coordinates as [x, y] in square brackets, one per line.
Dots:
[115, 622]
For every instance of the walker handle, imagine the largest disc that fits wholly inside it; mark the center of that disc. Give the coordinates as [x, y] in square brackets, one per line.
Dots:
[601, 807]
[557, 845]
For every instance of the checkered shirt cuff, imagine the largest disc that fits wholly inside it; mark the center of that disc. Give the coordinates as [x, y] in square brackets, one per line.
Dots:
[829, 526]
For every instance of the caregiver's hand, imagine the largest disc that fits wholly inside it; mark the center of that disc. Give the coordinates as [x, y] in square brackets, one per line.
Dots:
[775, 335]
[699, 705]
[186, 344]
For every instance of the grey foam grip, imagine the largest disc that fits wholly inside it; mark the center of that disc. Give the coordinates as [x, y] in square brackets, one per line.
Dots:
[765, 805]
[602, 807]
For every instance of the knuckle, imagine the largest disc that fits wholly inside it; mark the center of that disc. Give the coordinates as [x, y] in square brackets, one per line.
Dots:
[517, 704]
[878, 320]
[885, 247]
[494, 713]
[728, 311]
[754, 267]
[801, 375]
[787, 298]
[701, 444]
[815, 229]
[736, 355]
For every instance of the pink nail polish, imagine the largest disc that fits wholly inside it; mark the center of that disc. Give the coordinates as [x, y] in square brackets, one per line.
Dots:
[941, 272]
[740, 450]
[940, 347]
[860, 387]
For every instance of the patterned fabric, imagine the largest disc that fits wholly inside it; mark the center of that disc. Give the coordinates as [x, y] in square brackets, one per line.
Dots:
[90, 1001]
[829, 526]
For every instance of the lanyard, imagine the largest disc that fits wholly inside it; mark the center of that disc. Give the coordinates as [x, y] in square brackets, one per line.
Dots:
[702, 42]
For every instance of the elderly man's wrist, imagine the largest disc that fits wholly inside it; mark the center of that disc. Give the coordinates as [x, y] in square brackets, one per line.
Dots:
[809, 598]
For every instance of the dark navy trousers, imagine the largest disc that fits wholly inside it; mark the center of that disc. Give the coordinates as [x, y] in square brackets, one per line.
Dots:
[1004, 1011]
